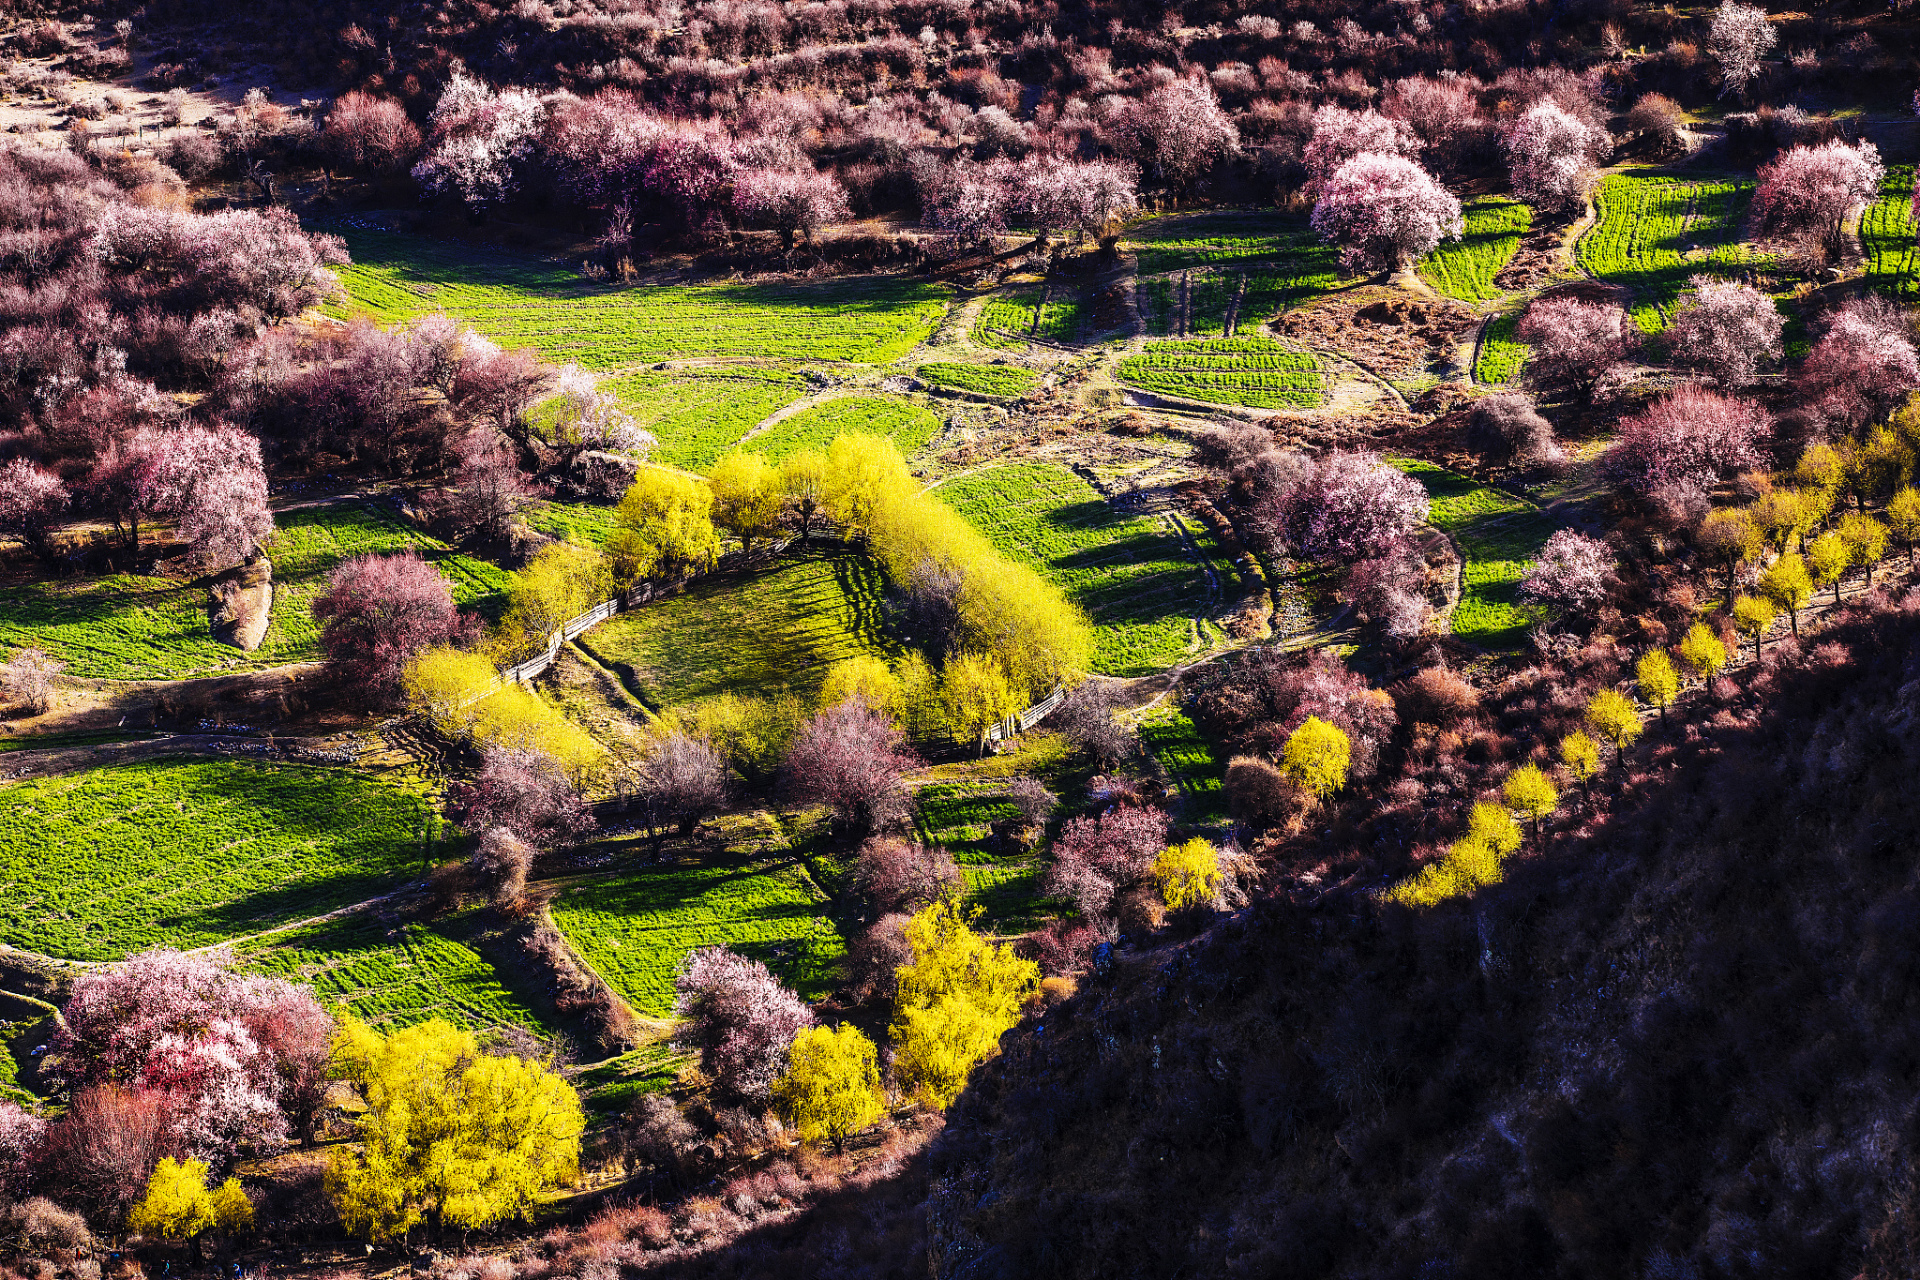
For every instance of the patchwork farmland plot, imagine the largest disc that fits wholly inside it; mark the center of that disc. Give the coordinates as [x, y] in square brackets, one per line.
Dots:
[588, 523]
[1502, 354]
[698, 417]
[526, 302]
[1009, 322]
[981, 379]
[1655, 233]
[105, 863]
[392, 974]
[1465, 268]
[748, 634]
[1179, 242]
[959, 816]
[908, 425]
[1887, 235]
[636, 923]
[1131, 573]
[1198, 774]
[125, 627]
[1499, 536]
[1256, 372]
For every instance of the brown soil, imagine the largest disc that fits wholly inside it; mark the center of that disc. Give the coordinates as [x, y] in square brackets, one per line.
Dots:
[240, 605]
[1388, 331]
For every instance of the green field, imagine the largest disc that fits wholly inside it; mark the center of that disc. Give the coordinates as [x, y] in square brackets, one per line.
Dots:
[1189, 759]
[1008, 322]
[1179, 242]
[1887, 234]
[697, 417]
[909, 426]
[634, 923]
[1131, 573]
[392, 973]
[981, 379]
[522, 301]
[184, 853]
[587, 523]
[1653, 234]
[125, 627]
[1005, 885]
[1502, 355]
[748, 634]
[1257, 372]
[1499, 536]
[1465, 268]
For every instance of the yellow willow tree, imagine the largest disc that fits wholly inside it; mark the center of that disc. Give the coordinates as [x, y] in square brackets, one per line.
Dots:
[747, 496]
[957, 997]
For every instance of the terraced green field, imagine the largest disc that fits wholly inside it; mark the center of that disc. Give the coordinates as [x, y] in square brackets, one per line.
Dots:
[748, 634]
[393, 974]
[108, 862]
[1257, 372]
[698, 417]
[635, 923]
[521, 301]
[1465, 268]
[125, 627]
[1008, 322]
[1131, 573]
[1502, 355]
[1179, 242]
[1499, 535]
[981, 379]
[959, 817]
[909, 426]
[1654, 233]
[1887, 234]
[1189, 759]
[588, 523]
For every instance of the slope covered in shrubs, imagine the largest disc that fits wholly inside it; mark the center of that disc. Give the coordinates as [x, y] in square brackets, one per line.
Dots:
[1677, 1043]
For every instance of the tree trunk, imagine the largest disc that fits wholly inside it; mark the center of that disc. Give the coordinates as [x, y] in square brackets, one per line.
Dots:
[1793, 615]
[1836, 598]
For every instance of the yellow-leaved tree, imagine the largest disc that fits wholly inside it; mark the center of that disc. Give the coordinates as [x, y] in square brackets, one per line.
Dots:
[1316, 756]
[1187, 873]
[1752, 615]
[1702, 651]
[1903, 516]
[803, 483]
[1581, 755]
[1866, 541]
[975, 695]
[518, 718]
[444, 683]
[451, 1135]
[563, 581]
[1612, 714]
[1728, 537]
[1658, 680]
[747, 496]
[665, 528]
[865, 677]
[1473, 860]
[864, 474]
[831, 1087]
[1531, 794]
[957, 997]
[1788, 584]
[178, 1204]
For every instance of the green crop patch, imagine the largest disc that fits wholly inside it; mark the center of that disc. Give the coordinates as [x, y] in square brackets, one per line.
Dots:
[1131, 573]
[749, 635]
[125, 627]
[1465, 268]
[1243, 268]
[1502, 355]
[698, 417]
[184, 853]
[521, 301]
[1189, 759]
[1252, 371]
[1004, 884]
[1887, 234]
[981, 379]
[1009, 321]
[909, 426]
[588, 523]
[392, 974]
[1499, 535]
[1178, 242]
[636, 923]
[1654, 234]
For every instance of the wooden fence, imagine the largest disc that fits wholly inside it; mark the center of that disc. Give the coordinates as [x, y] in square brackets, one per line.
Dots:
[1022, 721]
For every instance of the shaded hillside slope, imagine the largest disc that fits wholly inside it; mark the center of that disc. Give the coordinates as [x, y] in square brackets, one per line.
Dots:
[1683, 1046]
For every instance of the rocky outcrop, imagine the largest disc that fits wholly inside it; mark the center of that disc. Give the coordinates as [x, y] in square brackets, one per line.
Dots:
[240, 604]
